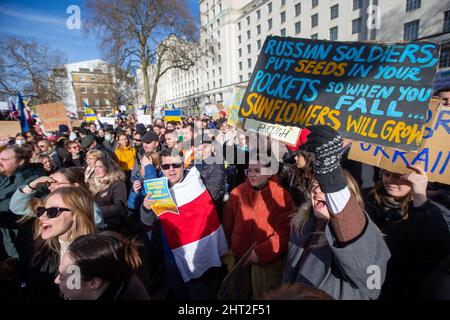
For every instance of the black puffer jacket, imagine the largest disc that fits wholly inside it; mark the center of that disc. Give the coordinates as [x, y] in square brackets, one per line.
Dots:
[417, 244]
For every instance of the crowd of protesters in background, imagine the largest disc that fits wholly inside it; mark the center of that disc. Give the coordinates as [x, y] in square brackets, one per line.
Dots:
[76, 197]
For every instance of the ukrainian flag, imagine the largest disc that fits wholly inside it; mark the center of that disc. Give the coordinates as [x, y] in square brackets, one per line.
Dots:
[172, 115]
[89, 113]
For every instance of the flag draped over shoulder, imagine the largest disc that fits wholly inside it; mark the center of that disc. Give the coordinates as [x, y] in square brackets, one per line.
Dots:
[89, 113]
[195, 235]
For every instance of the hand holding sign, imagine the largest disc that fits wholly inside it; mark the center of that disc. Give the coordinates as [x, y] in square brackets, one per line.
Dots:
[326, 145]
[419, 181]
[148, 203]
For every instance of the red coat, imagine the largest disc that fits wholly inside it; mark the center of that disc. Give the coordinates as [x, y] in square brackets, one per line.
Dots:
[259, 216]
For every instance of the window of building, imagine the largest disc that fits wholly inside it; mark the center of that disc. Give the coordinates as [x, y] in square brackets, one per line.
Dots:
[258, 14]
[249, 48]
[214, 73]
[357, 4]
[334, 12]
[314, 20]
[82, 78]
[283, 2]
[249, 63]
[239, 39]
[258, 43]
[444, 59]
[248, 34]
[334, 33]
[248, 20]
[107, 102]
[220, 73]
[298, 9]
[240, 52]
[269, 7]
[220, 7]
[258, 29]
[106, 91]
[283, 17]
[218, 34]
[315, 36]
[298, 27]
[412, 5]
[411, 30]
[356, 25]
[219, 58]
[269, 24]
[283, 32]
[214, 84]
[239, 26]
[446, 27]
[83, 89]
[95, 90]
[314, 3]
[249, 75]
[240, 78]
[97, 102]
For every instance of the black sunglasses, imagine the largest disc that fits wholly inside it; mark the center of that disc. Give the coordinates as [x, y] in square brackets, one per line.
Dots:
[51, 212]
[167, 166]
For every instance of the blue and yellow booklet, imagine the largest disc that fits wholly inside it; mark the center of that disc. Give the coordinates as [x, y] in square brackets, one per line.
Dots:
[159, 188]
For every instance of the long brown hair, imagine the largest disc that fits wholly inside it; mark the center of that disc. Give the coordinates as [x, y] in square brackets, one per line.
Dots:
[108, 256]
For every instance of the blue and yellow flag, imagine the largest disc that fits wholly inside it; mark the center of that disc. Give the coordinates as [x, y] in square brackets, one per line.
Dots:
[172, 115]
[89, 113]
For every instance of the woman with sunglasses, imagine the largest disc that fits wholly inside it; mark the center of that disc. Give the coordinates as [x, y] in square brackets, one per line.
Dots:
[64, 215]
[414, 227]
[42, 186]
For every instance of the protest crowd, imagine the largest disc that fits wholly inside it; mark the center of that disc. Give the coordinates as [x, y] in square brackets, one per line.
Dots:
[251, 221]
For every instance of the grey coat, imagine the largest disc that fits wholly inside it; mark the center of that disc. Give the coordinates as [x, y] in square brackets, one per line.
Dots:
[344, 273]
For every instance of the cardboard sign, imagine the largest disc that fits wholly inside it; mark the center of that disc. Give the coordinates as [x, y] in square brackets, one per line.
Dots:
[237, 285]
[433, 156]
[376, 93]
[442, 79]
[9, 129]
[52, 115]
[159, 188]
[145, 119]
[172, 115]
[287, 135]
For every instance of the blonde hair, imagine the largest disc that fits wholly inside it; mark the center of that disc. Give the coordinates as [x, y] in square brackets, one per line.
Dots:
[95, 153]
[305, 211]
[79, 201]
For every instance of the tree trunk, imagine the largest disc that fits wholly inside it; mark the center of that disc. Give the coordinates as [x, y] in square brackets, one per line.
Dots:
[155, 84]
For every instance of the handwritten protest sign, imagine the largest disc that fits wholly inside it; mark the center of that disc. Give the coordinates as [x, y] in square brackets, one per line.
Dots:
[159, 189]
[9, 129]
[287, 135]
[52, 115]
[367, 92]
[433, 155]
